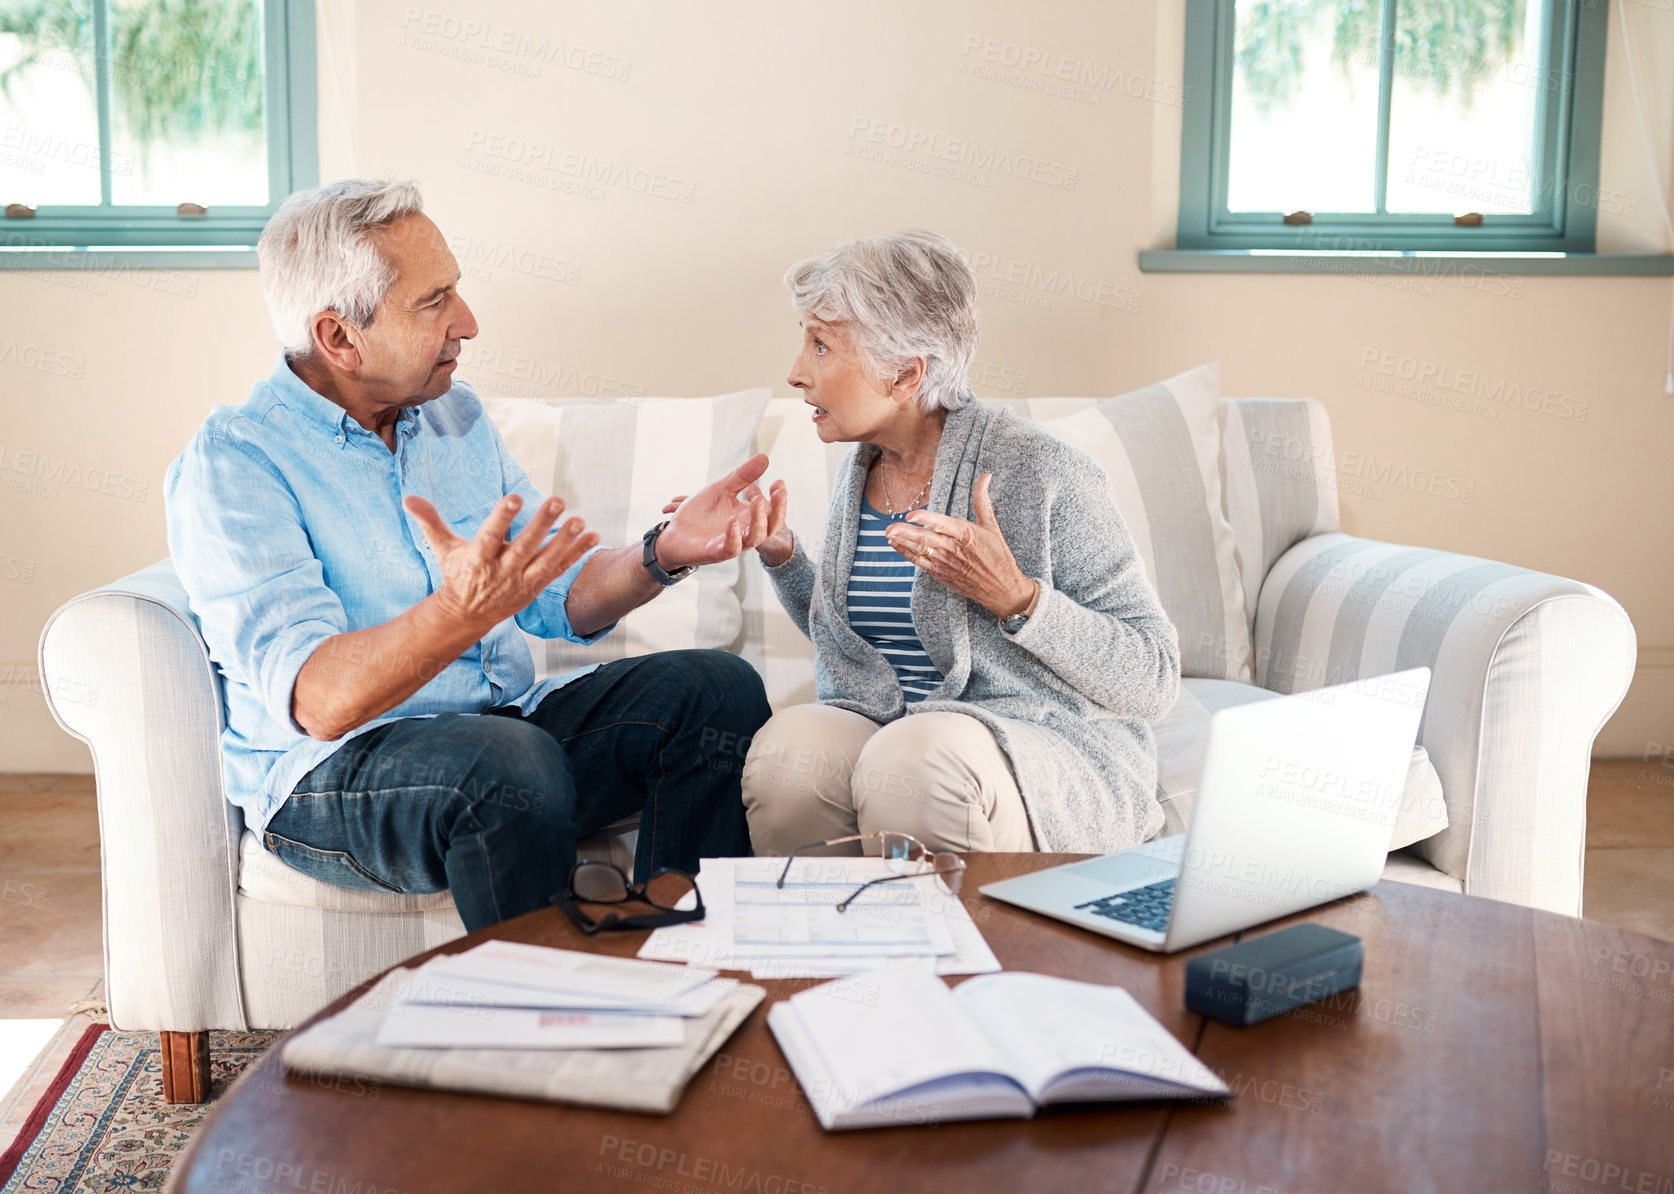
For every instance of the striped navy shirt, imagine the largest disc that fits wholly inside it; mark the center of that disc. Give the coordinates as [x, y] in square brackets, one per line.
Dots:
[880, 605]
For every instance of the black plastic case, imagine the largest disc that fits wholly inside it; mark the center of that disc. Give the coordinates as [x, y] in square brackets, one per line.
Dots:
[1267, 976]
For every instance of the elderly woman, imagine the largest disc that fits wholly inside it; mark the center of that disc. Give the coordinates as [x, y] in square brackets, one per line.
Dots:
[987, 646]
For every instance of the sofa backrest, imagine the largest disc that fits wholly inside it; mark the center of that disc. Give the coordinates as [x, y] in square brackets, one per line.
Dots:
[1278, 485]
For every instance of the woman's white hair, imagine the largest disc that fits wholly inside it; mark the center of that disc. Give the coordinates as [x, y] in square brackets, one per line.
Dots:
[905, 295]
[316, 254]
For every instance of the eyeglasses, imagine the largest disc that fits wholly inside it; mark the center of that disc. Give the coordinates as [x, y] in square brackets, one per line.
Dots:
[605, 883]
[901, 849]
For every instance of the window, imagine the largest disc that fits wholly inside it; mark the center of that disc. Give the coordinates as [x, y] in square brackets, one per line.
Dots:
[1457, 125]
[133, 123]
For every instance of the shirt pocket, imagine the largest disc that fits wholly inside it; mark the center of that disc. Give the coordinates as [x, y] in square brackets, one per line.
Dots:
[465, 518]
[463, 488]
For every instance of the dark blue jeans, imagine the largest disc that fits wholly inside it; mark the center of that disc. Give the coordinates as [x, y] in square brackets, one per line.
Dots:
[489, 806]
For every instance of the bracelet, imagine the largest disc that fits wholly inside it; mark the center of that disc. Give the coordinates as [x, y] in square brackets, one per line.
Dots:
[1034, 601]
[1016, 622]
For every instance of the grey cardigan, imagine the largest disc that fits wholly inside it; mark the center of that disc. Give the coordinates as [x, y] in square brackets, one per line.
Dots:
[1068, 697]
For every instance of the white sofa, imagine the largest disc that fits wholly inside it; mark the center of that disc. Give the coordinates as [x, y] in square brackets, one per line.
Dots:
[204, 930]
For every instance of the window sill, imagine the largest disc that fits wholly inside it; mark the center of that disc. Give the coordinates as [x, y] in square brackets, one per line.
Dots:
[99, 258]
[1436, 263]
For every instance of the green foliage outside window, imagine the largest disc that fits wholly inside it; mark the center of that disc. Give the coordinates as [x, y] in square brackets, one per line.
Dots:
[1449, 46]
[177, 68]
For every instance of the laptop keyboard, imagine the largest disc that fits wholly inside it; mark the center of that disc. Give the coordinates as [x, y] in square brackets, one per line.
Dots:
[1146, 907]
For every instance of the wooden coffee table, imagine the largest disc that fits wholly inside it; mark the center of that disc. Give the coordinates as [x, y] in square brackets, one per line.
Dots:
[1489, 1047]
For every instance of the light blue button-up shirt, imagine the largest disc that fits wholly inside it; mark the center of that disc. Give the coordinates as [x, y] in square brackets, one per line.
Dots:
[286, 527]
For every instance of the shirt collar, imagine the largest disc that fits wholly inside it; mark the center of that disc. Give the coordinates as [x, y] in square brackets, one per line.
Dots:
[291, 391]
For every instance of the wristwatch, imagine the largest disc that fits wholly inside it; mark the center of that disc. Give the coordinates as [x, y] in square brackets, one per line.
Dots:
[655, 569]
[1016, 622]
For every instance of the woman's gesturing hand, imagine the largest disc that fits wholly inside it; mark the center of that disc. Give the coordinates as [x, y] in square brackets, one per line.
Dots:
[779, 544]
[486, 578]
[971, 558]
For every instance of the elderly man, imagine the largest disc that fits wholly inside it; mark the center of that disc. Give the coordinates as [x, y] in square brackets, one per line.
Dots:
[361, 550]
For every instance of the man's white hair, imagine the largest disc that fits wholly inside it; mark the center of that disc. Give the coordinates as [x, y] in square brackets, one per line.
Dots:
[905, 295]
[316, 254]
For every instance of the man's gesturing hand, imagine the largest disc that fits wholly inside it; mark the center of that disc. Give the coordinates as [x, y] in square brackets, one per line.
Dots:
[723, 518]
[485, 578]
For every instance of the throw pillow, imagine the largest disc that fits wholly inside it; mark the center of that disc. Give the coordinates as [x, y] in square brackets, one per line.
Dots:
[616, 464]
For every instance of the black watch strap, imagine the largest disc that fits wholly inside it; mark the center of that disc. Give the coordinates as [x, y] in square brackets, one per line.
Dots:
[655, 569]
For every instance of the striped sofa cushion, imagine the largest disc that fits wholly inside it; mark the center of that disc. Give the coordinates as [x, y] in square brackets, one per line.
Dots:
[1278, 482]
[1160, 448]
[617, 463]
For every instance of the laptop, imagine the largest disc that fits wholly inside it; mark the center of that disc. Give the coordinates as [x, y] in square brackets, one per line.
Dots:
[1295, 808]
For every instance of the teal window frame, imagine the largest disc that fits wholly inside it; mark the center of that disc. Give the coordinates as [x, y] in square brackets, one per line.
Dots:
[1568, 123]
[289, 113]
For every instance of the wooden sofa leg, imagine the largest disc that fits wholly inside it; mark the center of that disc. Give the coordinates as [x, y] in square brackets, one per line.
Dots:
[185, 1066]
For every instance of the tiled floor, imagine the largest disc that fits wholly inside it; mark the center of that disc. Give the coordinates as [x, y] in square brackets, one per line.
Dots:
[51, 954]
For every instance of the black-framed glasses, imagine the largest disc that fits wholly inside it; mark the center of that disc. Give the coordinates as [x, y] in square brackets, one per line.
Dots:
[593, 882]
[911, 857]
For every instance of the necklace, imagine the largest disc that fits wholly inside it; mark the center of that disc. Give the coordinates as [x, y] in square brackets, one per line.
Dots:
[889, 506]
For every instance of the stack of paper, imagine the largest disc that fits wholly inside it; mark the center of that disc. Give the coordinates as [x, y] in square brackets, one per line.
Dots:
[796, 931]
[528, 1022]
[502, 995]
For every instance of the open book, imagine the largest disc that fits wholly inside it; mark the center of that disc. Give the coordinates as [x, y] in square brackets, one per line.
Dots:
[896, 1047]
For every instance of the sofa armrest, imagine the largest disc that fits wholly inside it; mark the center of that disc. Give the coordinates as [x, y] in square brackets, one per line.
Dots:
[126, 672]
[1527, 667]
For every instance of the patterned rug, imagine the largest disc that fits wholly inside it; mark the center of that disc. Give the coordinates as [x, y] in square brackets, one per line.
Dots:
[109, 1131]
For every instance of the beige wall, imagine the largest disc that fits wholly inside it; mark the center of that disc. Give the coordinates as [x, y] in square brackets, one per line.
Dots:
[744, 114]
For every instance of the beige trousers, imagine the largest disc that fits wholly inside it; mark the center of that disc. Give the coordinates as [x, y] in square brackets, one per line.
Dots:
[816, 772]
